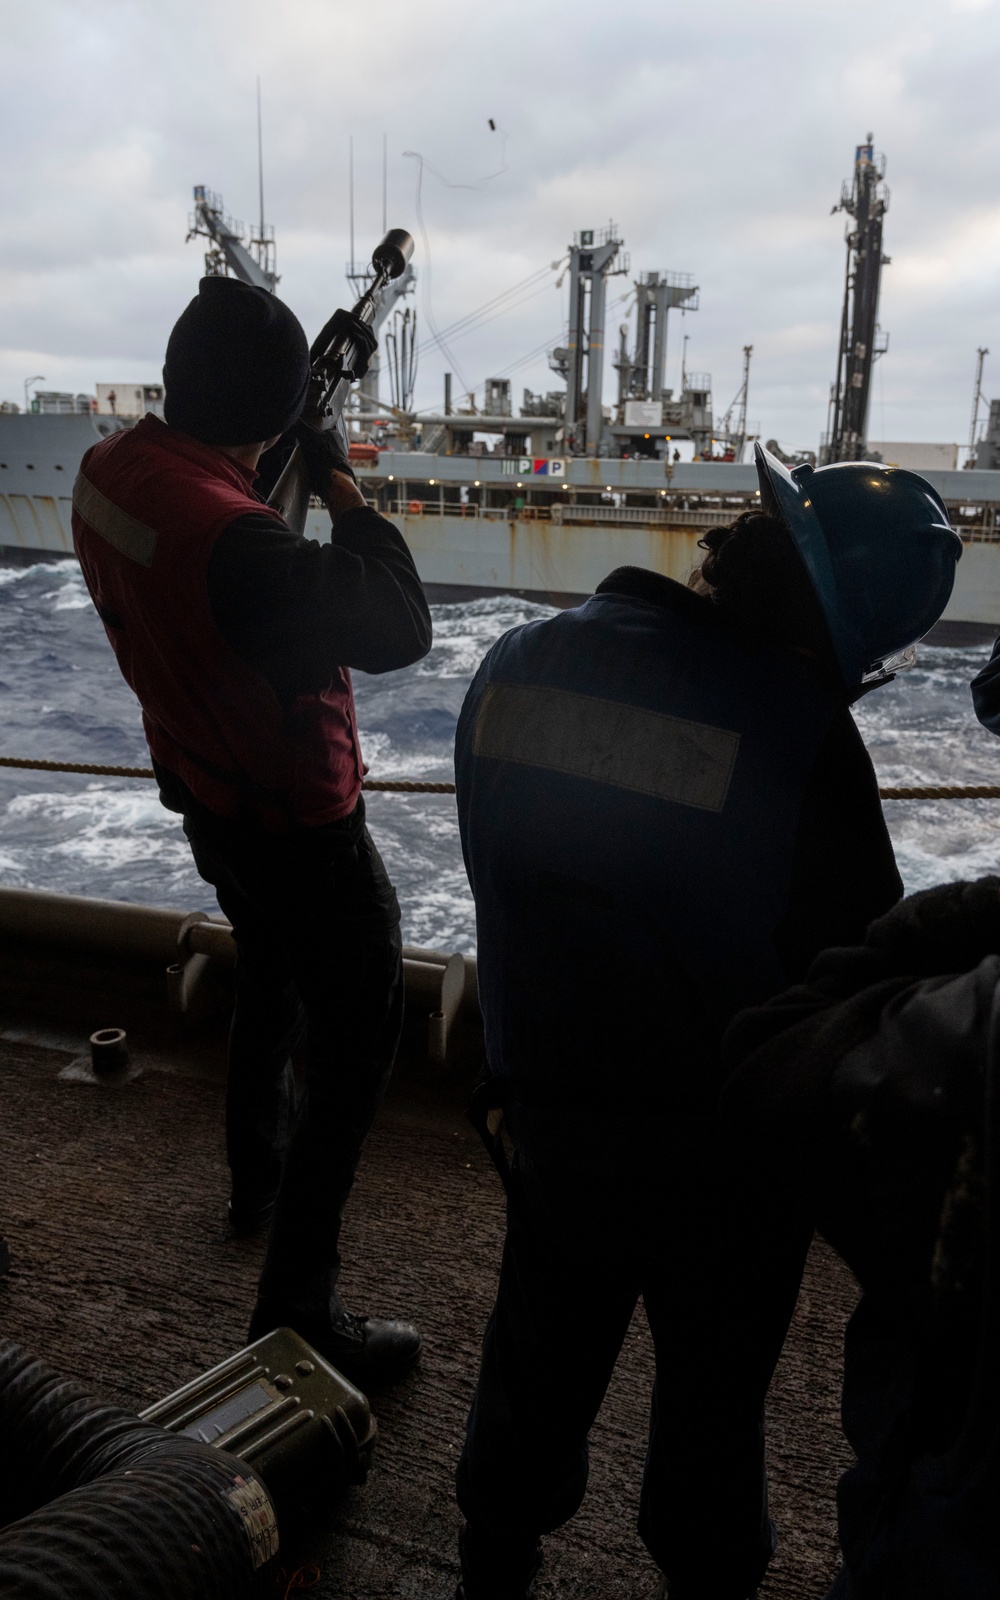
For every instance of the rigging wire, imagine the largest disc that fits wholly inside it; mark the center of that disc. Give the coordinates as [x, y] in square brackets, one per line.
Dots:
[532, 355]
[499, 311]
[505, 372]
[463, 324]
[426, 275]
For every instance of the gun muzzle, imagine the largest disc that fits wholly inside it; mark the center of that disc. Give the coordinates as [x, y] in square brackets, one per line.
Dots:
[393, 254]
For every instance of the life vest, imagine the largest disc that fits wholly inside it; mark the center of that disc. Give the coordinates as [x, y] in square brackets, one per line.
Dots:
[630, 777]
[148, 506]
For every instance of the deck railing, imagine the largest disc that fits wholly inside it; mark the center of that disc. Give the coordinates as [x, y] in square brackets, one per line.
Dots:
[669, 515]
[567, 516]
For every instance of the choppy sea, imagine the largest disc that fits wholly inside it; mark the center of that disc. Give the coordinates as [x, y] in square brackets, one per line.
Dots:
[64, 699]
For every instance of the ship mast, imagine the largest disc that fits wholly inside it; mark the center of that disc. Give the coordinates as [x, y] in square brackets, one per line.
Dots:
[366, 396]
[866, 202]
[977, 396]
[593, 258]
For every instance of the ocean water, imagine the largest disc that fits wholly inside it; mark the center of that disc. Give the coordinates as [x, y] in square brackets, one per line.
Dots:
[64, 699]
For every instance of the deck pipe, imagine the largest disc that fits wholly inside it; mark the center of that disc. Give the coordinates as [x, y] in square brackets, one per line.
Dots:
[440, 983]
[97, 1503]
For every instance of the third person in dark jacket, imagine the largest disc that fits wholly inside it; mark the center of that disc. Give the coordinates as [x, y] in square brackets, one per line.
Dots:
[666, 811]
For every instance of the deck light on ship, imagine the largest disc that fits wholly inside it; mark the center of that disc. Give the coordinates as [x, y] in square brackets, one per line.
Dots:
[432, 480]
[476, 484]
[390, 478]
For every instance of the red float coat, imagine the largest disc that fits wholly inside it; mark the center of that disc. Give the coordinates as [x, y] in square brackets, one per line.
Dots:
[148, 506]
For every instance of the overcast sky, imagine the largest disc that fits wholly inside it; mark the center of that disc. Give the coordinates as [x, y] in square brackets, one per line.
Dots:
[715, 134]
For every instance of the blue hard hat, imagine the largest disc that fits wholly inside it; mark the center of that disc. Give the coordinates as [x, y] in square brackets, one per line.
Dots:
[877, 546]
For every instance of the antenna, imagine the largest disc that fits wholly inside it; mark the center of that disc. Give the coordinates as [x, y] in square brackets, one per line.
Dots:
[350, 180]
[385, 181]
[977, 396]
[741, 418]
[260, 160]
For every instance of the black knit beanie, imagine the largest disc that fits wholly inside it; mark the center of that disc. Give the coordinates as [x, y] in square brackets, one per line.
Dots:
[237, 365]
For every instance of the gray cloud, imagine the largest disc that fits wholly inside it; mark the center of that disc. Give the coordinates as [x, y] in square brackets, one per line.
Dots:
[716, 136]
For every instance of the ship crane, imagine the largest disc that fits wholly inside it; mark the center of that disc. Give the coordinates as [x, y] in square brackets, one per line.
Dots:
[594, 256]
[253, 261]
[228, 252]
[648, 415]
[977, 397]
[656, 294]
[861, 343]
[735, 436]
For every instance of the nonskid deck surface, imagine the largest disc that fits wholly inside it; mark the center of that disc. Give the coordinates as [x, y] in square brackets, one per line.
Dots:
[113, 1203]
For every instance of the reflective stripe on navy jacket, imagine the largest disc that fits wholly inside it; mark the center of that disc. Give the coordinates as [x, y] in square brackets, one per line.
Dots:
[148, 506]
[630, 779]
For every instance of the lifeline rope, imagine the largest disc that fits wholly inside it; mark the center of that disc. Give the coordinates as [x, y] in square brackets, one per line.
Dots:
[93, 770]
[952, 791]
[944, 791]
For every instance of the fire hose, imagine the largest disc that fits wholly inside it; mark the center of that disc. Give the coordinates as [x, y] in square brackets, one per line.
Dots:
[98, 1503]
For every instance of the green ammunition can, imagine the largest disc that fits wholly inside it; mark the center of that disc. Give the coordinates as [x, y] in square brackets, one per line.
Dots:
[291, 1416]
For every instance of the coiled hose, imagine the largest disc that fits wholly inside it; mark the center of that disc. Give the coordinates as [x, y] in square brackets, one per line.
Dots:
[108, 1506]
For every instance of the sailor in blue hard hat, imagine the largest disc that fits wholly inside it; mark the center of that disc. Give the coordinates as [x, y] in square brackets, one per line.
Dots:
[878, 548]
[667, 812]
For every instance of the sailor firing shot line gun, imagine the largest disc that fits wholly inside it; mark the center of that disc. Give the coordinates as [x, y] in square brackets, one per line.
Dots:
[238, 635]
[339, 356]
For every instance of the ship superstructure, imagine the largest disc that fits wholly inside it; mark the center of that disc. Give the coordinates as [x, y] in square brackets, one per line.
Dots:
[646, 421]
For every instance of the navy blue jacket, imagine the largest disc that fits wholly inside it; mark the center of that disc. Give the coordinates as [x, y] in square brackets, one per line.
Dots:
[662, 823]
[870, 1097]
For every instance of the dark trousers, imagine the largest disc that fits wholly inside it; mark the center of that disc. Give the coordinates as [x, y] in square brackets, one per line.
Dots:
[595, 1220]
[319, 958]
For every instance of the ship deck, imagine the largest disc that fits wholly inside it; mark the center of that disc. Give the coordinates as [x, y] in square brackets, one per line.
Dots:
[124, 1275]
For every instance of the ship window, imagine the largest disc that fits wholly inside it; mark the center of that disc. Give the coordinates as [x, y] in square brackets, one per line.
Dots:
[30, 466]
[59, 466]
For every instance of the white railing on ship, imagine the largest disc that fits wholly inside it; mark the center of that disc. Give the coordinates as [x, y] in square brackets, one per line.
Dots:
[641, 516]
[978, 535]
[671, 516]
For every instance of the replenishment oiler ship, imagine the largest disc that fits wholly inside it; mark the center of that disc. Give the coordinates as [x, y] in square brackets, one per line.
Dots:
[546, 502]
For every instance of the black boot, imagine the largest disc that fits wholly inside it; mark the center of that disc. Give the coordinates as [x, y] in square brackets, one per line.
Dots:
[250, 1214]
[369, 1351]
[497, 1567]
[668, 1591]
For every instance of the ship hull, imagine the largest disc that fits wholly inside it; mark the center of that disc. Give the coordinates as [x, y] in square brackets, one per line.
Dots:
[552, 551]
[474, 558]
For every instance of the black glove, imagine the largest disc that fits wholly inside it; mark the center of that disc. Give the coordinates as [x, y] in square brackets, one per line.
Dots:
[344, 324]
[324, 453]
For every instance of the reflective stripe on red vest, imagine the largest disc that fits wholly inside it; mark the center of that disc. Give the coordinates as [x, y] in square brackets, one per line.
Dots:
[148, 506]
